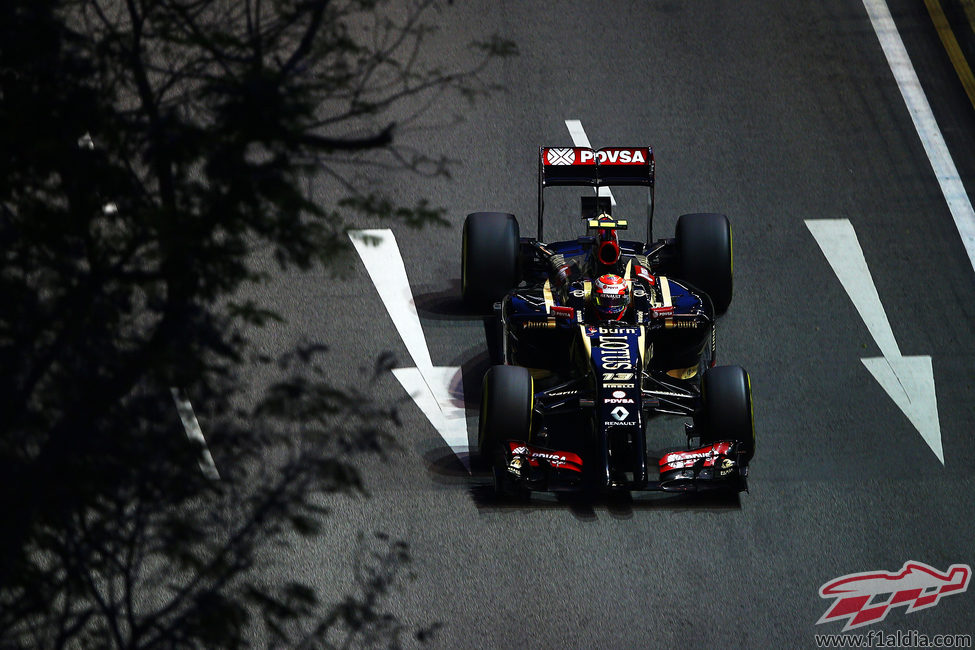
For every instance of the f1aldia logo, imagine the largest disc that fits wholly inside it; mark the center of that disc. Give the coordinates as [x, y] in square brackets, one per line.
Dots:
[866, 598]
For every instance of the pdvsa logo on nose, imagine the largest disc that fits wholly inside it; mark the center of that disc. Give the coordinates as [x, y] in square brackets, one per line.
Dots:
[866, 598]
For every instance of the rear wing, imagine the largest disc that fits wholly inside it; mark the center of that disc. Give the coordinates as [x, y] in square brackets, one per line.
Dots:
[586, 167]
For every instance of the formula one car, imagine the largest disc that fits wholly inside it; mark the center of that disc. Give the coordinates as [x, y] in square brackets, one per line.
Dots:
[598, 334]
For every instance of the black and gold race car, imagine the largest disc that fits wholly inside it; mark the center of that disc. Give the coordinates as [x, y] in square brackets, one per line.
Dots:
[598, 334]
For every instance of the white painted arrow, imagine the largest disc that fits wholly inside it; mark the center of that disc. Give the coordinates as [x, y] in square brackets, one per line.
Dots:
[580, 139]
[908, 380]
[437, 390]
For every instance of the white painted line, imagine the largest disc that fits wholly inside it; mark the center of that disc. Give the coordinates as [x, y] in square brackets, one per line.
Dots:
[449, 420]
[437, 391]
[580, 139]
[842, 249]
[194, 433]
[577, 133]
[909, 381]
[927, 127]
[383, 262]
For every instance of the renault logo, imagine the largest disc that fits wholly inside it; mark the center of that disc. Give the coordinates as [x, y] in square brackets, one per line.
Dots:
[619, 413]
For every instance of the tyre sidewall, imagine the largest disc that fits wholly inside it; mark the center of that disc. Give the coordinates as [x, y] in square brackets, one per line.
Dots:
[506, 408]
[704, 243]
[489, 258]
[726, 411]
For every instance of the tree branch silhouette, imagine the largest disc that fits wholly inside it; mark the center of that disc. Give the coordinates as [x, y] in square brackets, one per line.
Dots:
[148, 149]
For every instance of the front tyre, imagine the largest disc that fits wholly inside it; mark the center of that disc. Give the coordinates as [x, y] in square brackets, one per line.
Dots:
[704, 245]
[726, 411]
[489, 258]
[507, 397]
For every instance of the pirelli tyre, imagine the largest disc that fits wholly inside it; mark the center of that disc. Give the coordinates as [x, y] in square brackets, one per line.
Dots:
[507, 397]
[726, 409]
[489, 259]
[704, 245]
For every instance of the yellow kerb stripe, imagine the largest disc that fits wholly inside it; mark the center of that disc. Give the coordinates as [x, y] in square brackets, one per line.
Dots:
[969, 7]
[951, 43]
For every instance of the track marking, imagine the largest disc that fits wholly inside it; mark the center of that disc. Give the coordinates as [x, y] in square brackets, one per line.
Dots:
[193, 431]
[909, 381]
[950, 43]
[437, 390]
[580, 139]
[969, 7]
[450, 418]
[383, 262]
[924, 122]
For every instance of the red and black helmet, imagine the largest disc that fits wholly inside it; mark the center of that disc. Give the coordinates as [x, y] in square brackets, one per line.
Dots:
[611, 296]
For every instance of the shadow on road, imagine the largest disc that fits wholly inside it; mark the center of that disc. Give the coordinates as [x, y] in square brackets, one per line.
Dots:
[585, 506]
[444, 305]
[447, 468]
[154, 456]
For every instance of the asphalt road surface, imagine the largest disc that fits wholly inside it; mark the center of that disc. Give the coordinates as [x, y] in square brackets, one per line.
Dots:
[772, 113]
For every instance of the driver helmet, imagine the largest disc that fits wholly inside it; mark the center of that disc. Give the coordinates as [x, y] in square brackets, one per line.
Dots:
[611, 296]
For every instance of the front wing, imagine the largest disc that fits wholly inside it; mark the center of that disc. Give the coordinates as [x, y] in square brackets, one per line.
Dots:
[714, 466]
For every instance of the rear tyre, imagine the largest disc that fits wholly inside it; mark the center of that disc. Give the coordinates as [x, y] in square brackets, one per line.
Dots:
[704, 245]
[726, 411]
[489, 258]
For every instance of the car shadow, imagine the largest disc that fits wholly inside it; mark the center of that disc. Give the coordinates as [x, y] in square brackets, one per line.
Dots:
[587, 506]
[444, 305]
